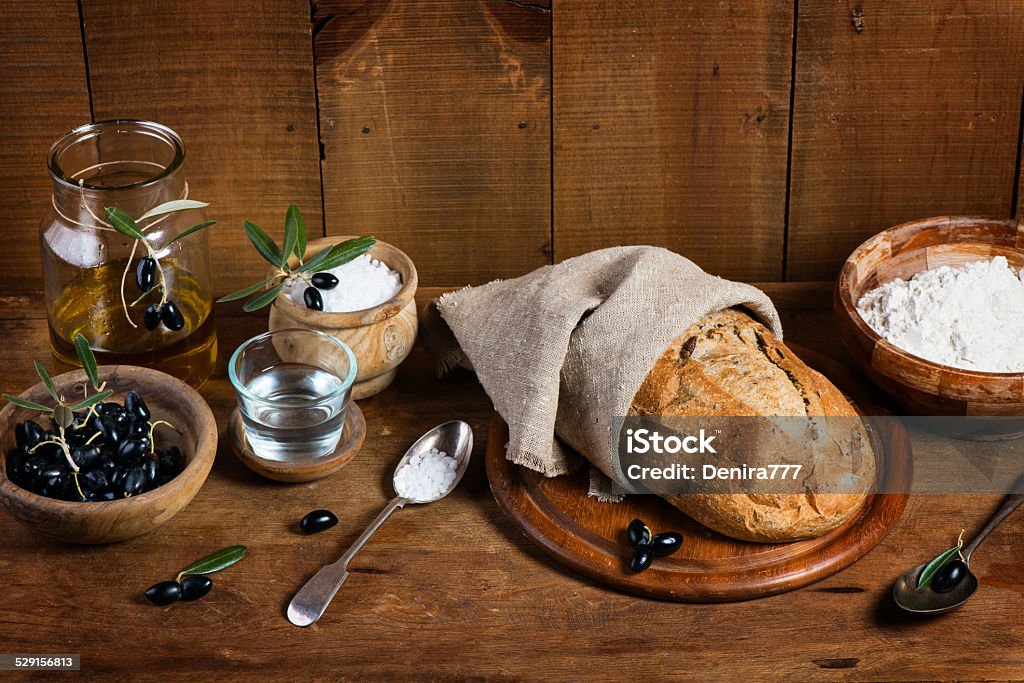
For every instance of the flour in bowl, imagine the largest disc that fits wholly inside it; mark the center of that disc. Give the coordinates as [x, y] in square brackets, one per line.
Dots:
[969, 317]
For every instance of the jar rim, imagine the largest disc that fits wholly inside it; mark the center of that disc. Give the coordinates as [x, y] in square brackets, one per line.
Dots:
[91, 130]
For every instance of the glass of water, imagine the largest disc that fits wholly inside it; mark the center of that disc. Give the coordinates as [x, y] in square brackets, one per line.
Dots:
[293, 388]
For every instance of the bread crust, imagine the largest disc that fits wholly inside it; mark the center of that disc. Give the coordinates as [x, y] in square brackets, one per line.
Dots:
[731, 365]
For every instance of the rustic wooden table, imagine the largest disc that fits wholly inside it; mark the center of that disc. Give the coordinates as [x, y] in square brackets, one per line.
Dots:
[453, 590]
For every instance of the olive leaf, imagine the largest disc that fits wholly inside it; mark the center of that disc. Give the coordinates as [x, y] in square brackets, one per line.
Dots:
[88, 359]
[47, 382]
[123, 223]
[267, 247]
[172, 206]
[93, 400]
[25, 403]
[222, 559]
[63, 416]
[264, 299]
[293, 221]
[924, 579]
[291, 238]
[245, 291]
[194, 228]
[338, 255]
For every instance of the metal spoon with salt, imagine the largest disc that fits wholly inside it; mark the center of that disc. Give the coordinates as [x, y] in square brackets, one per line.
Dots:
[926, 601]
[454, 438]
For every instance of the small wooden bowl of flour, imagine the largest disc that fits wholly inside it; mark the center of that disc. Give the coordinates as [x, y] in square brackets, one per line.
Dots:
[380, 336]
[961, 314]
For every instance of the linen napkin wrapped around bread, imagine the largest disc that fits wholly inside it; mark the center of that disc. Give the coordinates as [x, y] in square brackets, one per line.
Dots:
[624, 331]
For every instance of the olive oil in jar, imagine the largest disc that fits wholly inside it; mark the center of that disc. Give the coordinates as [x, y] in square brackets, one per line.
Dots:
[90, 303]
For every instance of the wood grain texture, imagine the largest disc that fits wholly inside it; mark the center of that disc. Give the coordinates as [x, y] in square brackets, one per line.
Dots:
[236, 82]
[43, 95]
[435, 118]
[671, 126]
[416, 598]
[910, 116]
[107, 522]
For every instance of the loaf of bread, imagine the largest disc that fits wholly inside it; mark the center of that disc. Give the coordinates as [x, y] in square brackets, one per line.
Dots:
[730, 365]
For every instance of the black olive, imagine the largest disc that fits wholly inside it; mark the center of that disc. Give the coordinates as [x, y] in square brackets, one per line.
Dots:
[170, 460]
[164, 593]
[111, 409]
[56, 485]
[638, 533]
[129, 450]
[14, 461]
[114, 411]
[325, 281]
[95, 480]
[664, 544]
[136, 407]
[172, 317]
[134, 481]
[117, 478]
[317, 520]
[28, 433]
[29, 468]
[195, 586]
[947, 578]
[642, 558]
[94, 424]
[50, 473]
[145, 274]
[313, 299]
[151, 318]
[48, 453]
[152, 468]
[108, 430]
[87, 456]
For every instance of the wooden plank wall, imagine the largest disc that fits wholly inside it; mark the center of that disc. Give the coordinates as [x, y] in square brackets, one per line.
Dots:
[435, 121]
[488, 137]
[671, 128]
[41, 61]
[235, 80]
[903, 110]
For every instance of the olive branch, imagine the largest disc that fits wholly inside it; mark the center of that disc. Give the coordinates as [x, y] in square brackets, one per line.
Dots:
[149, 272]
[278, 257]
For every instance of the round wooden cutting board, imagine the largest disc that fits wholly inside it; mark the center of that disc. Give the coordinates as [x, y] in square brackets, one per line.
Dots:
[589, 537]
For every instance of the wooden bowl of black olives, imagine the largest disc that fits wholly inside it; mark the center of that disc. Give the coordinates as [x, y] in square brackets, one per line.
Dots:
[108, 470]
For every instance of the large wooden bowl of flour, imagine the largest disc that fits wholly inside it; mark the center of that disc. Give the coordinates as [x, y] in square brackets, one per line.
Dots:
[920, 386]
[381, 336]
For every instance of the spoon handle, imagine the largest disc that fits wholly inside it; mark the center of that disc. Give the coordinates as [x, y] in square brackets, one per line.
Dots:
[395, 503]
[312, 600]
[1010, 503]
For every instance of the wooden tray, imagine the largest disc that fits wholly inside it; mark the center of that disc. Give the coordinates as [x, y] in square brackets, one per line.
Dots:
[589, 537]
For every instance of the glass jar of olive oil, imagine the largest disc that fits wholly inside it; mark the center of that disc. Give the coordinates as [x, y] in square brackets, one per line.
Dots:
[90, 269]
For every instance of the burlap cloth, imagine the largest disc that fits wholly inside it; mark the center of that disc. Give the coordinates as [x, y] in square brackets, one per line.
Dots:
[562, 351]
